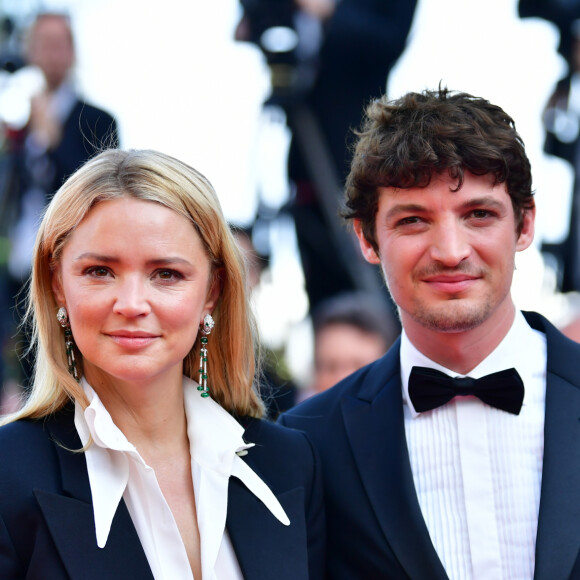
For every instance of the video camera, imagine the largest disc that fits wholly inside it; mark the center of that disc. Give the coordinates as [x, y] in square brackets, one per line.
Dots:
[272, 26]
[11, 59]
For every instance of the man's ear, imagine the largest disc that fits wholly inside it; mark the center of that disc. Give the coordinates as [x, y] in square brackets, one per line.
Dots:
[368, 252]
[526, 236]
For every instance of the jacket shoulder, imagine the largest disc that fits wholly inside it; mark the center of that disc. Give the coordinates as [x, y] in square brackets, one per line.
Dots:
[23, 439]
[275, 442]
[365, 383]
[283, 457]
[86, 110]
[28, 453]
[563, 352]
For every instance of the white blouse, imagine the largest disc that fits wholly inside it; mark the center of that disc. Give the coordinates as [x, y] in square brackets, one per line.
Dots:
[117, 470]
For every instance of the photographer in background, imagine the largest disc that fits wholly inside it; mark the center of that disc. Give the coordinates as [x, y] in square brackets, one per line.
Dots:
[351, 330]
[63, 132]
[343, 54]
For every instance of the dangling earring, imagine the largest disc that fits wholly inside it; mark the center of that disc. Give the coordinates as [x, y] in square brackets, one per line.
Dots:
[62, 317]
[205, 329]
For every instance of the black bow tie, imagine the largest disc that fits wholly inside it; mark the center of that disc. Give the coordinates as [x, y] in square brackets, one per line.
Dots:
[429, 389]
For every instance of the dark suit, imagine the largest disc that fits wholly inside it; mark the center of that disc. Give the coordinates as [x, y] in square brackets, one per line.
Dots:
[375, 528]
[86, 131]
[47, 529]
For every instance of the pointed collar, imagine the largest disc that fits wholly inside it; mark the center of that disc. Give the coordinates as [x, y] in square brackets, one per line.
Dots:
[216, 446]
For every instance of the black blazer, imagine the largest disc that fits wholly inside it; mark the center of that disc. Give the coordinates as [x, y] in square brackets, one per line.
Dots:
[375, 528]
[86, 131]
[47, 529]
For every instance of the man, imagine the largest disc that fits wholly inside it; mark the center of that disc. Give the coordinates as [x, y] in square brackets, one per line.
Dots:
[351, 330]
[62, 124]
[62, 133]
[427, 487]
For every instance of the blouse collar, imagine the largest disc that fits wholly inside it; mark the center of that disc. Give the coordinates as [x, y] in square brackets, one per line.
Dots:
[216, 446]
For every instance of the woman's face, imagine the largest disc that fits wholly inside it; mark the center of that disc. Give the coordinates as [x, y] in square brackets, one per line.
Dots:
[136, 282]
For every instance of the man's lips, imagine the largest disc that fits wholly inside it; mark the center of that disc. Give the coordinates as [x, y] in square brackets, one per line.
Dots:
[451, 283]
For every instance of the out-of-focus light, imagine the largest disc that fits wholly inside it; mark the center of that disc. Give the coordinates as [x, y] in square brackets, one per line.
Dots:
[16, 92]
[279, 39]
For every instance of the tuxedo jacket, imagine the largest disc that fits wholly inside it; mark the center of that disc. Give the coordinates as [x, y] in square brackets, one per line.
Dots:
[375, 529]
[47, 529]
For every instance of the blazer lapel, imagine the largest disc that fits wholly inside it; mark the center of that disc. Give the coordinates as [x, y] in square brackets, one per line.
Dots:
[375, 427]
[70, 519]
[558, 538]
[265, 548]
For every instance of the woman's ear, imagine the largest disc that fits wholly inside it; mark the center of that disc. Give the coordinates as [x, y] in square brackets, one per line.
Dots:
[56, 283]
[214, 291]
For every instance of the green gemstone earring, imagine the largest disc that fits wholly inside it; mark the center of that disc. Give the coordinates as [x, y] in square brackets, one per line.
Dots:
[205, 329]
[62, 317]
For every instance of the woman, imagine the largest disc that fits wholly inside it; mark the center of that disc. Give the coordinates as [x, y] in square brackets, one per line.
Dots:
[119, 464]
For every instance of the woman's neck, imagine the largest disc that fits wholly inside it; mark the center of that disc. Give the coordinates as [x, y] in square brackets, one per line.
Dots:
[149, 414]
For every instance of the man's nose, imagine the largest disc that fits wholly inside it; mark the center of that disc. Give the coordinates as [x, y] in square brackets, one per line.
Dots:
[450, 244]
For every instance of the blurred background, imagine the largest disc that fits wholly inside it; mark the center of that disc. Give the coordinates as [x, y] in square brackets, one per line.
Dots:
[259, 95]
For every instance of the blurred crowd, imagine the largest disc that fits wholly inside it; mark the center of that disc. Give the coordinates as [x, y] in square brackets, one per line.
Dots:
[327, 59]
[58, 131]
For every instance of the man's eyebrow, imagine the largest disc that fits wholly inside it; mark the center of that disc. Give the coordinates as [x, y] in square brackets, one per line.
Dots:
[487, 201]
[405, 208]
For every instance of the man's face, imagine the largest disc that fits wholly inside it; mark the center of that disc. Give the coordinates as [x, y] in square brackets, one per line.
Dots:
[340, 349]
[448, 257]
[51, 49]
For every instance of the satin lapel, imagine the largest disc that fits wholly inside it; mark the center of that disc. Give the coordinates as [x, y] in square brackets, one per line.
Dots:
[71, 523]
[558, 539]
[375, 427]
[265, 548]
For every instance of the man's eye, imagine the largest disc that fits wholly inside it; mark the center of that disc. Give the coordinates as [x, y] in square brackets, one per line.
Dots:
[481, 213]
[409, 220]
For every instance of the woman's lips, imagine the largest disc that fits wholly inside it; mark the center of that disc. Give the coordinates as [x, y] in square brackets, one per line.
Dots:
[132, 339]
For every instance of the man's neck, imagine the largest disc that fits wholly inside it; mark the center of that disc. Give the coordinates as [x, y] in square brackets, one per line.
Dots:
[461, 351]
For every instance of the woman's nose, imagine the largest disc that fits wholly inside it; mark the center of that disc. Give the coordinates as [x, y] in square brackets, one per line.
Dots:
[132, 297]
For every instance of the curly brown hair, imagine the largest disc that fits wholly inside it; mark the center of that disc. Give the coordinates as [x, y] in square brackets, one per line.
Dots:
[404, 142]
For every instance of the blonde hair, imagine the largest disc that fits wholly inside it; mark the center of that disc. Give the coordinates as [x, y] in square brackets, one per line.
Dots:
[156, 177]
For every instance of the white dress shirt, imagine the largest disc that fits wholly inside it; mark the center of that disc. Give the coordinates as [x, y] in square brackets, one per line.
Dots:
[478, 470]
[117, 470]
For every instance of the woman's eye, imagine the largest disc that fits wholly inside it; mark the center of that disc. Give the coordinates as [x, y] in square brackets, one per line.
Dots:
[168, 275]
[97, 271]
